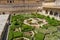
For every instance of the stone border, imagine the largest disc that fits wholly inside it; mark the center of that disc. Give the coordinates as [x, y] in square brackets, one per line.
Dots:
[36, 21]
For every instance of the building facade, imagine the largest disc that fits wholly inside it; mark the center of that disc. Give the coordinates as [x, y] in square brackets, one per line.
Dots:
[20, 5]
[52, 9]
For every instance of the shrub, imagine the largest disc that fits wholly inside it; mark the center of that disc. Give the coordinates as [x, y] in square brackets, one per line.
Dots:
[10, 36]
[52, 29]
[12, 27]
[46, 26]
[18, 34]
[39, 36]
[26, 28]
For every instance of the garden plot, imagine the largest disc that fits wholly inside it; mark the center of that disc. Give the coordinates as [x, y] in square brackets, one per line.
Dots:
[33, 27]
[36, 22]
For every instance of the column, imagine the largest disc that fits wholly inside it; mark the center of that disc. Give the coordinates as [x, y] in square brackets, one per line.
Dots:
[59, 15]
[43, 11]
[48, 12]
[53, 13]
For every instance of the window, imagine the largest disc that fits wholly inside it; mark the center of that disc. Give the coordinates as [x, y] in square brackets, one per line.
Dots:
[55, 14]
[3, 13]
[51, 13]
[10, 1]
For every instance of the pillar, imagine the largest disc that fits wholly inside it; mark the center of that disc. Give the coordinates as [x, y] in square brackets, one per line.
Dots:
[43, 11]
[53, 13]
[59, 15]
[48, 12]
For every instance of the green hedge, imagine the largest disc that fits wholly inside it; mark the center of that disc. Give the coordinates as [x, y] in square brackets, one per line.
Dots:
[26, 28]
[17, 21]
[18, 34]
[39, 36]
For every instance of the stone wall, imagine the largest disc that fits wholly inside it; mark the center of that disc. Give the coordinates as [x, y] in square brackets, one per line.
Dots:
[20, 5]
[18, 1]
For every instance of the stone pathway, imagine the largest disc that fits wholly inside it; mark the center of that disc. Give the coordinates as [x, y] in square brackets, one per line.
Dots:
[34, 22]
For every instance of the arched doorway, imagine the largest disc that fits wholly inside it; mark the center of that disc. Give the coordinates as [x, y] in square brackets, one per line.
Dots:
[46, 11]
[56, 14]
[51, 13]
[10, 1]
[3, 13]
[39, 10]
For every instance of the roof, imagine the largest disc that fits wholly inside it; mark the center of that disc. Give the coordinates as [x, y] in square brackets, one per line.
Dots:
[55, 7]
[51, 6]
[49, 0]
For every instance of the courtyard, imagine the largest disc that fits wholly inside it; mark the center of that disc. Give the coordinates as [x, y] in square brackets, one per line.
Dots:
[33, 26]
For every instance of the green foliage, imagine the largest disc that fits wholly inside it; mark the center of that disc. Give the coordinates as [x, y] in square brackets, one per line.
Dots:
[18, 34]
[40, 16]
[17, 21]
[12, 27]
[39, 36]
[10, 36]
[46, 26]
[52, 21]
[26, 28]
[44, 31]
[51, 37]
[13, 18]
[52, 29]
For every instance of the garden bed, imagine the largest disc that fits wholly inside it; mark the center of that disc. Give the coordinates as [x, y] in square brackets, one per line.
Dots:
[19, 30]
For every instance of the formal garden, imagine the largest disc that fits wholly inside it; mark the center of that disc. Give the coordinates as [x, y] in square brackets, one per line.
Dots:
[33, 27]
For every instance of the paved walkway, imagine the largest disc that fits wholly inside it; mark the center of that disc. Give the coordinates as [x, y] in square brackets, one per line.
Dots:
[3, 21]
